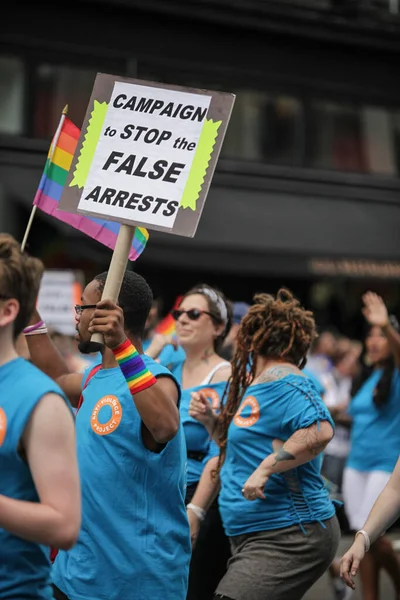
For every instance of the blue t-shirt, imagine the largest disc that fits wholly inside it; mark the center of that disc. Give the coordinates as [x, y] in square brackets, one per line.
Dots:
[170, 356]
[269, 411]
[196, 435]
[135, 542]
[24, 566]
[146, 344]
[375, 432]
[315, 380]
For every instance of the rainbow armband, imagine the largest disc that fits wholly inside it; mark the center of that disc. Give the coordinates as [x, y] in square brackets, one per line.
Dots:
[137, 375]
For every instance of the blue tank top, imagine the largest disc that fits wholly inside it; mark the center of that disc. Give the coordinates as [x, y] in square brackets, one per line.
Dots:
[270, 411]
[134, 542]
[375, 432]
[197, 438]
[24, 566]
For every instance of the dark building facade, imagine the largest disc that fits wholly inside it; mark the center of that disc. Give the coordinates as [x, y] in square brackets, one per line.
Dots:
[307, 185]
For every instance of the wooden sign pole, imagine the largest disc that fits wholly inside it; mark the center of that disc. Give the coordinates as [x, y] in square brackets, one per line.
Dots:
[117, 269]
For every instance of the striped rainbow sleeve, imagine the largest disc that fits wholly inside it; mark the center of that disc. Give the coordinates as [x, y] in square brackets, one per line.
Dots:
[137, 375]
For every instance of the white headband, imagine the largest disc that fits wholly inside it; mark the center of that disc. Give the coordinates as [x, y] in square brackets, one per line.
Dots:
[218, 301]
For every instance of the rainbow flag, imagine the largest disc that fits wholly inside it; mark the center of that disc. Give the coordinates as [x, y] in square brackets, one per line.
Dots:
[48, 195]
[167, 325]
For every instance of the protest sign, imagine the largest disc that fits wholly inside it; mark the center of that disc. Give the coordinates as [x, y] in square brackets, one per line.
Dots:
[58, 294]
[145, 157]
[147, 153]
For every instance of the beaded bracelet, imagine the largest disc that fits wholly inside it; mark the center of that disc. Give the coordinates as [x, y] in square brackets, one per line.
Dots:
[137, 375]
[36, 329]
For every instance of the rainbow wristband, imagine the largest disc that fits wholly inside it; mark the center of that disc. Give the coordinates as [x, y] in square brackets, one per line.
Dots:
[137, 375]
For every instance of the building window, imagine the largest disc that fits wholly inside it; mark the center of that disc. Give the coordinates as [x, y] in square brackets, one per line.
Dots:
[360, 139]
[336, 140]
[56, 86]
[265, 128]
[12, 89]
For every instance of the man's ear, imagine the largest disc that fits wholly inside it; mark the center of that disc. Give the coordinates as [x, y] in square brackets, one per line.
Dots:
[9, 310]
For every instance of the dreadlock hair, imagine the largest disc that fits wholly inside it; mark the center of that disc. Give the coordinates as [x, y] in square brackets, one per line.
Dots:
[383, 388]
[277, 328]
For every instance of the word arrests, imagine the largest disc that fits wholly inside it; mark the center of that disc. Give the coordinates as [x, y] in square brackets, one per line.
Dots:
[144, 154]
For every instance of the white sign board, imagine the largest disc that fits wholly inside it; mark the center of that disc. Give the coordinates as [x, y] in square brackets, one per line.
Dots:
[57, 297]
[147, 153]
[144, 154]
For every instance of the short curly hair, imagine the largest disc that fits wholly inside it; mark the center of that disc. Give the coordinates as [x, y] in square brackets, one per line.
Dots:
[135, 299]
[20, 277]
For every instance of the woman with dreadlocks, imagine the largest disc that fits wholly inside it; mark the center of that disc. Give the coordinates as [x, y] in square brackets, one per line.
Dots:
[375, 446]
[271, 431]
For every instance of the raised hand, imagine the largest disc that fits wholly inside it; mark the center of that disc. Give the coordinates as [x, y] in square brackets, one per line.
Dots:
[158, 343]
[108, 319]
[201, 409]
[375, 310]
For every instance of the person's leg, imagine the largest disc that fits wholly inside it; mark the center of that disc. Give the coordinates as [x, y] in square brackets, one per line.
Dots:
[387, 558]
[379, 555]
[382, 550]
[369, 575]
[354, 487]
[356, 507]
[210, 557]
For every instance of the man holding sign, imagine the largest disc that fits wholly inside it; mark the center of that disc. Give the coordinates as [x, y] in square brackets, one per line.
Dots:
[134, 541]
[146, 156]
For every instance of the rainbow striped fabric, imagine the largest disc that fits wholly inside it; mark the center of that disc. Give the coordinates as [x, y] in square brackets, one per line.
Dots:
[51, 187]
[167, 325]
[137, 375]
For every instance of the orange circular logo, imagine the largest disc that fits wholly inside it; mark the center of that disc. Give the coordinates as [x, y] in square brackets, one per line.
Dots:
[250, 419]
[212, 396]
[114, 420]
[3, 426]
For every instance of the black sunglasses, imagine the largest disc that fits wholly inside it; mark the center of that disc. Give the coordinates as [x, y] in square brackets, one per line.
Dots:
[193, 314]
[80, 307]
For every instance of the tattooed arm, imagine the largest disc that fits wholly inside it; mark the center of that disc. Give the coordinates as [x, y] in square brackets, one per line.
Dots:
[303, 446]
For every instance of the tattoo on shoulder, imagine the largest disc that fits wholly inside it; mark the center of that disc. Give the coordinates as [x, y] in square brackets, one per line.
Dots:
[276, 373]
[281, 455]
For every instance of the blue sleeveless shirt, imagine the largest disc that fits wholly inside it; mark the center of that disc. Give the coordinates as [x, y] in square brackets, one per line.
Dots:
[134, 543]
[197, 438]
[24, 566]
[273, 411]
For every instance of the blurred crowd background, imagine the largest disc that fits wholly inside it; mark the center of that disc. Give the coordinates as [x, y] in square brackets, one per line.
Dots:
[307, 188]
[306, 192]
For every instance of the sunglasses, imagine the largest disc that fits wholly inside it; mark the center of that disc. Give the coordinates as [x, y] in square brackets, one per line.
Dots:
[193, 314]
[80, 307]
